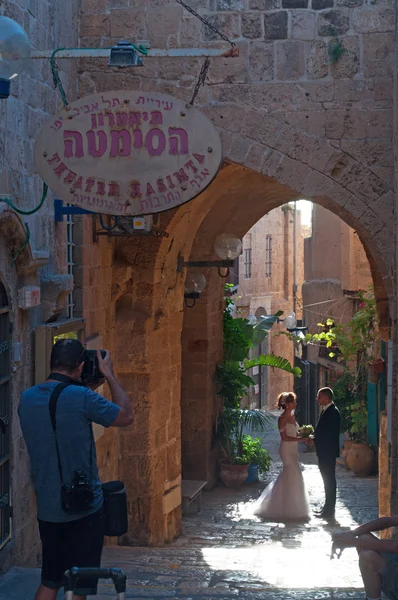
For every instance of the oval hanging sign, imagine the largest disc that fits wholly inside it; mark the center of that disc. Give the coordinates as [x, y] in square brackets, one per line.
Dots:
[128, 153]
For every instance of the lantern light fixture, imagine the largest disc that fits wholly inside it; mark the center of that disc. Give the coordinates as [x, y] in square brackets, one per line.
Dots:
[227, 247]
[125, 54]
[195, 283]
[14, 53]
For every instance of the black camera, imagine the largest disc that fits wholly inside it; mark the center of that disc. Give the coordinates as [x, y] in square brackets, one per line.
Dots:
[91, 372]
[79, 496]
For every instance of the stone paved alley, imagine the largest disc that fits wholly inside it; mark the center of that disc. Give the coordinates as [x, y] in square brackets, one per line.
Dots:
[224, 553]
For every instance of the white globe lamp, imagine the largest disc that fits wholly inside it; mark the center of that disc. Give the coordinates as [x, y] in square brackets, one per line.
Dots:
[290, 320]
[14, 53]
[227, 246]
[195, 283]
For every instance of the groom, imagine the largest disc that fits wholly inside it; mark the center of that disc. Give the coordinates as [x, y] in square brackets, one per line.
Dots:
[327, 446]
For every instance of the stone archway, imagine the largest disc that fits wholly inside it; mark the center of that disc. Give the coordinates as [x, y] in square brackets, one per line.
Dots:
[165, 386]
[292, 125]
[246, 197]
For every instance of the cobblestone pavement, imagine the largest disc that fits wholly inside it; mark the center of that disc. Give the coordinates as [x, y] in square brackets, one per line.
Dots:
[226, 553]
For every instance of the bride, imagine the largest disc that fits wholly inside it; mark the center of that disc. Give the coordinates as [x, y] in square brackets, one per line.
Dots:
[286, 498]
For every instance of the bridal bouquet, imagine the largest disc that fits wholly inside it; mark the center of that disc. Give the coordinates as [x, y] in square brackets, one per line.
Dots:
[306, 431]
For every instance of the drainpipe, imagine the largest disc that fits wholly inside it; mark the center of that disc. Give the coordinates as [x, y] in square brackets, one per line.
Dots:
[389, 392]
[294, 257]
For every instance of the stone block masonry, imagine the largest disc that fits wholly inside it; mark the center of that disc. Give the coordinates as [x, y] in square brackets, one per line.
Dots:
[295, 123]
[307, 125]
[49, 24]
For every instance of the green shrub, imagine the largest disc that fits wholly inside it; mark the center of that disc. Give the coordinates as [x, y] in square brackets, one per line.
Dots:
[255, 454]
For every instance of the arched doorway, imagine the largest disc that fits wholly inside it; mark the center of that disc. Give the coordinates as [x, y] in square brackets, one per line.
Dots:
[173, 384]
[239, 198]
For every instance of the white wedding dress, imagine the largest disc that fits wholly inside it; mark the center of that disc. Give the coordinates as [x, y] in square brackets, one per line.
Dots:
[286, 499]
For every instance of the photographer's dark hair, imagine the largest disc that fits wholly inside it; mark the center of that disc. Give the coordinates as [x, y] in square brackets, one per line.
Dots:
[286, 398]
[328, 392]
[66, 355]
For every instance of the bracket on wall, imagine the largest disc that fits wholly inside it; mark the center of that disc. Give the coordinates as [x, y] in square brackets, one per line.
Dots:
[60, 210]
[221, 264]
[119, 226]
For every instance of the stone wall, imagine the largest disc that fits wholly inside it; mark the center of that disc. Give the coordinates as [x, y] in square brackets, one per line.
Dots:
[324, 131]
[49, 24]
[294, 124]
[274, 291]
[336, 267]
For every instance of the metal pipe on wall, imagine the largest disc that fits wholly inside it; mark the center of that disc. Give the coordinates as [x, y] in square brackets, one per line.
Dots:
[389, 392]
[294, 257]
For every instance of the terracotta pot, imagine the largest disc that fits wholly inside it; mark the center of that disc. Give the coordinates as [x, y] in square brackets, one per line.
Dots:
[233, 476]
[379, 365]
[345, 450]
[360, 459]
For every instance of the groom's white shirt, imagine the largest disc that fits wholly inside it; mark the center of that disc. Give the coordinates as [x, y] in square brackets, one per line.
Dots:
[324, 408]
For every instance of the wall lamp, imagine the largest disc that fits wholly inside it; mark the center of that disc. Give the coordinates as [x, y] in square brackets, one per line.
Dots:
[290, 322]
[195, 283]
[14, 53]
[227, 247]
[124, 54]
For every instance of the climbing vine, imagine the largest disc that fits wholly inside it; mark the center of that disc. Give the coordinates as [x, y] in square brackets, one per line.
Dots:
[354, 346]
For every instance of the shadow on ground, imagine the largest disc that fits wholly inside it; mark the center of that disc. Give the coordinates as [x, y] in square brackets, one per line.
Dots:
[225, 552]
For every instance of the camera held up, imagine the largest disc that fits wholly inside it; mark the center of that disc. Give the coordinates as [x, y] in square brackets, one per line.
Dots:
[91, 372]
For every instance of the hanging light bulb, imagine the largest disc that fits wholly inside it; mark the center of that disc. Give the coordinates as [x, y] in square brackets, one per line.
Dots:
[14, 53]
[290, 320]
[195, 283]
[227, 246]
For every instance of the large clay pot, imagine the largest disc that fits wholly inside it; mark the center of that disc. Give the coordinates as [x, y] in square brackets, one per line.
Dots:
[379, 365]
[360, 459]
[233, 476]
[345, 450]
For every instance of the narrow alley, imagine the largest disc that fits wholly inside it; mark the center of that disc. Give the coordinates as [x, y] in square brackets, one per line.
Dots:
[225, 553]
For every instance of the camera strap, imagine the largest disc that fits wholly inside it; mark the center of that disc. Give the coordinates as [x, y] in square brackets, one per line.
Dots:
[65, 382]
[53, 414]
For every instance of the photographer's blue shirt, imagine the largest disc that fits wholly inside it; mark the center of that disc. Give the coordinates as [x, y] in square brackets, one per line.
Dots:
[77, 407]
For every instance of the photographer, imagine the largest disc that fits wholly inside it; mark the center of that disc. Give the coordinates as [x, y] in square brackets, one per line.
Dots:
[63, 461]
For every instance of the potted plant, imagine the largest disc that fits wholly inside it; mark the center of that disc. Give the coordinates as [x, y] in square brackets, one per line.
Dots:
[237, 454]
[258, 457]
[360, 456]
[233, 382]
[378, 365]
[353, 346]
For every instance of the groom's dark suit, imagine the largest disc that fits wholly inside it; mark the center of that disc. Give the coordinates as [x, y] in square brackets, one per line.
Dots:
[327, 445]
